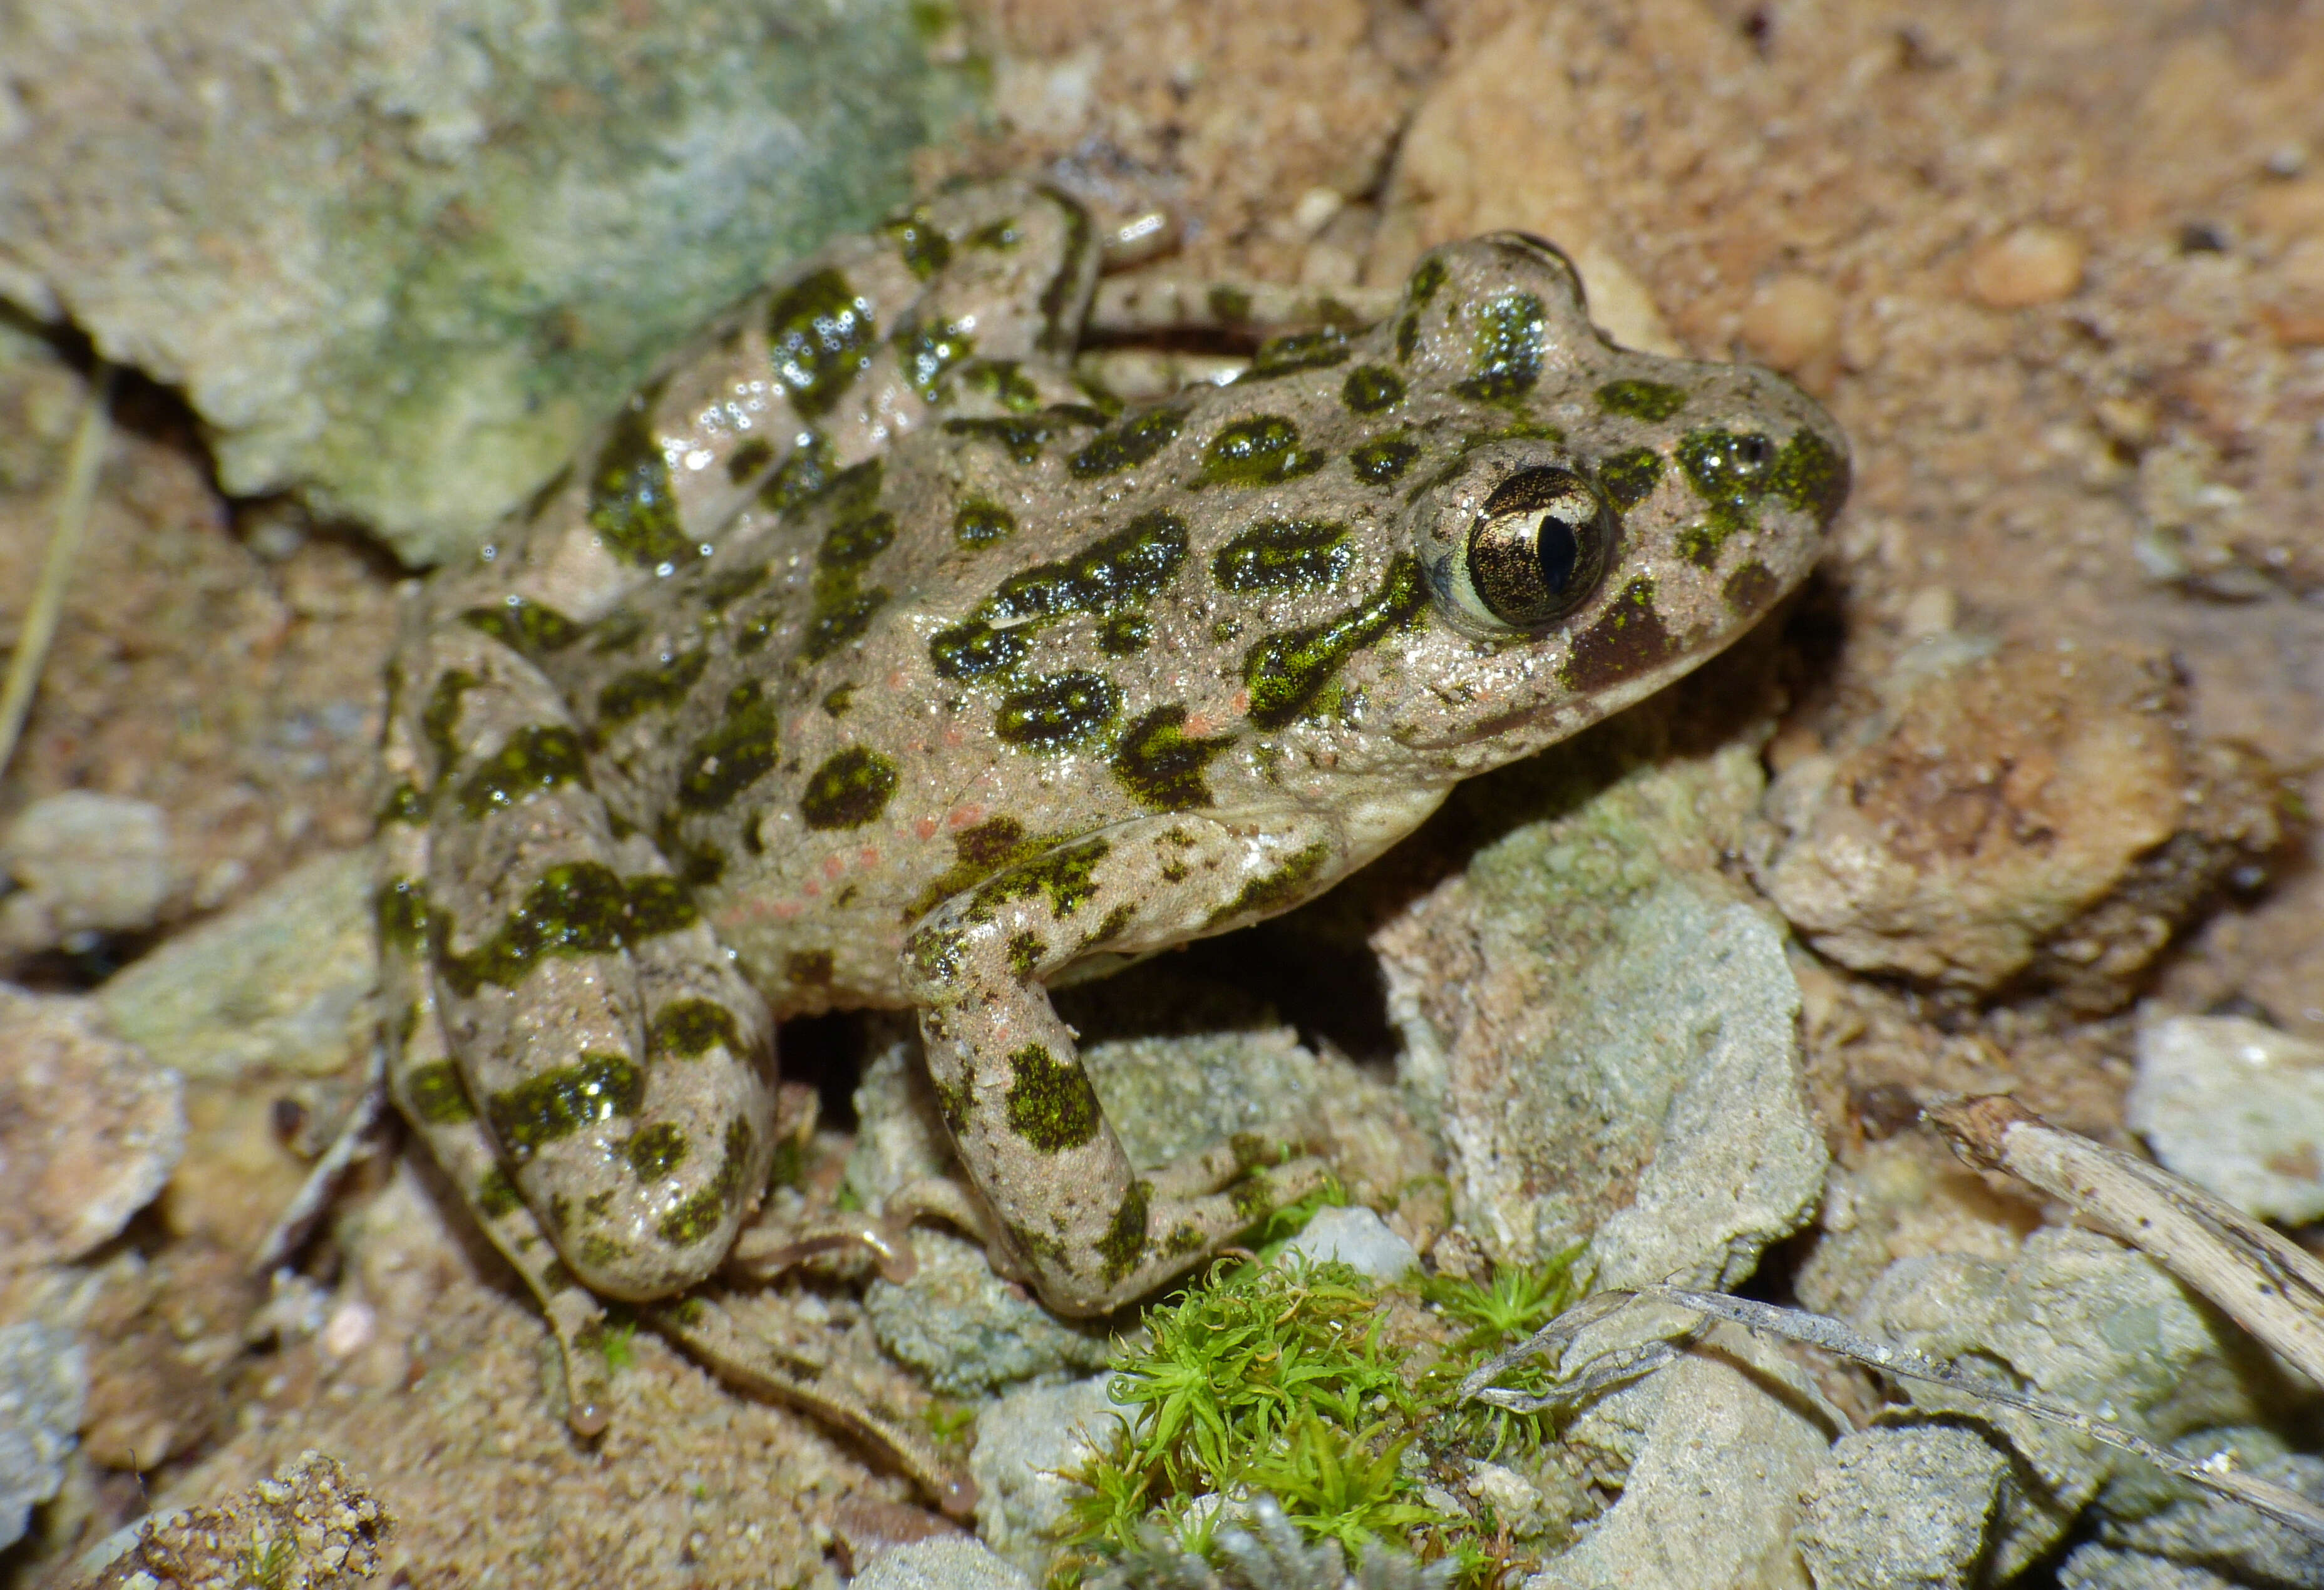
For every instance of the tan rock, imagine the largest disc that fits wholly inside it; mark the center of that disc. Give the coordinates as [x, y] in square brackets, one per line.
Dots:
[1792, 324]
[2028, 266]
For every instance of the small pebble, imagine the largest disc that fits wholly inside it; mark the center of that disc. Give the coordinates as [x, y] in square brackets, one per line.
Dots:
[1792, 323]
[83, 863]
[2031, 265]
[349, 1329]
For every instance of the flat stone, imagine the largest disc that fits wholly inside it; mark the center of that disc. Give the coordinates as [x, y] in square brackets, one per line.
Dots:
[44, 1383]
[1025, 1443]
[1901, 1509]
[1355, 1236]
[83, 863]
[968, 1332]
[398, 259]
[90, 1128]
[2237, 1107]
[940, 1565]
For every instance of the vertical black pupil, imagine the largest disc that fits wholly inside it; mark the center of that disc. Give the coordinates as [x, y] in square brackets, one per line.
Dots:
[1556, 547]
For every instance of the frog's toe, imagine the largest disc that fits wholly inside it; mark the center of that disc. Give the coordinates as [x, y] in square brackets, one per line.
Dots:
[1218, 1167]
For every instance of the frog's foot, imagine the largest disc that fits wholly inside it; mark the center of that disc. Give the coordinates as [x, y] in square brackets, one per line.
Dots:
[753, 1364]
[1066, 1209]
[762, 1253]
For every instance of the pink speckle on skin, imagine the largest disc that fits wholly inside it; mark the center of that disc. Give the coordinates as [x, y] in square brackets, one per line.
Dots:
[867, 857]
[967, 815]
[896, 679]
[812, 889]
[833, 865]
[925, 828]
[1240, 705]
[787, 910]
[952, 737]
[1197, 725]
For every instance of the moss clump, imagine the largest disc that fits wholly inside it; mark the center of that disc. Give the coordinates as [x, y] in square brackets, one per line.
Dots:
[1334, 1394]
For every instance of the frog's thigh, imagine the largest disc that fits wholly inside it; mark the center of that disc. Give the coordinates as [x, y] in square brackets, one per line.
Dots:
[614, 1057]
[1091, 1232]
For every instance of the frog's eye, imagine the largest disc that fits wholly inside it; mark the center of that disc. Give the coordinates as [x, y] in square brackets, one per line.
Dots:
[1538, 546]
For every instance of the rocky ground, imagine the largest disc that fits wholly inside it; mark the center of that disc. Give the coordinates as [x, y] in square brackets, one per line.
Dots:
[2015, 797]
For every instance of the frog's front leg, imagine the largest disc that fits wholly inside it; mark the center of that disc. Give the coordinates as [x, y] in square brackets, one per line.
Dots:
[1074, 1216]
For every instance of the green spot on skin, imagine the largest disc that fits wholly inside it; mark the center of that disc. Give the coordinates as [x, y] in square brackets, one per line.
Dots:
[1506, 353]
[1051, 1106]
[1124, 1243]
[1427, 279]
[981, 523]
[1022, 439]
[659, 904]
[1229, 306]
[1809, 474]
[618, 631]
[924, 249]
[631, 503]
[936, 952]
[843, 609]
[1125, 635]
[657, 1150]
[559, 1103]
[728, 586]
[1003, 382]
[437, 1097]
[1162, 767]
[1283, 555]
[1304, 350]
[999, 235]
[1699, 544]
[732, 757]
[850, 790]
[1630, 478]
[703, 1212]
[1371, 388]
[806, 473]
[1116, 921]
[642, 690]
[404, 804]
[978, 853]
[1627, 640]
[1133, 441]
[1026, 950]
[1261, 451]
[751, 456]
[1059, 302]
[1653, 401]
[838, 699]
[440, 719]
[575, 909]
[1407, 336]
[495, 1194]
[1729, 472]
[1278, 890]
[1065, 876]
[689, 1029]
[700, 865]
[1384, 462]
[400, 909]
[1287, 674]
[819, 339]
[973, 650]
[528, 627]
[1749, 590]
[1117, 572]
[1057, 712]
[535, 758]
[808, 969]
[928, 352]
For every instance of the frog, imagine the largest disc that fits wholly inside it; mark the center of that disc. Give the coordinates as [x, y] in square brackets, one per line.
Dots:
[871, 657]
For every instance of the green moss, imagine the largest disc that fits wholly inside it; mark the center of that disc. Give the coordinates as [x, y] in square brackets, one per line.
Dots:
[1286, 674]
[819, 338]
[1371, 388]
[640, 690]
[1506, 356]
[1382, 463]
[1057, 712]
[438, 1095]
[1050, 1104]
[850, 789]
[529, 627]
[655, 1151]
[1630, 478]
[1262, 450]
[1162, 767]
[1135, 441]
[1285, 555]
[1278, 890]
[538, 756]
[1653, 401]
[631, 504]
[980, 522]
[559, 1103]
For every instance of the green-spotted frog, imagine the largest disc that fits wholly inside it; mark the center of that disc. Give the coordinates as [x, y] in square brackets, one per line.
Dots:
[867, 660]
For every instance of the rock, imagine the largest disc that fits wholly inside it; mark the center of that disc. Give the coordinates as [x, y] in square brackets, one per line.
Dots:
[1792, 323]
[1906, 1196]
[83, 864]
[2011, 812]
[940, 1565]
[2030, 265]
[400, 259]
[862, 1526]
[1026, 1442]
[2086, 1322]
[969, 1332]
[283, 980]
[1717, 1447]
[311, 1527]
[90, 1128]
[1902, 1508]
[1355, 1236]
[43, 1382]
[2206, 1543]
[1607, 1032]
[2235, 1107]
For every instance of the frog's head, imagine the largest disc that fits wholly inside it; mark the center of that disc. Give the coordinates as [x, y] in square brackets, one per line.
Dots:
[1595, 521]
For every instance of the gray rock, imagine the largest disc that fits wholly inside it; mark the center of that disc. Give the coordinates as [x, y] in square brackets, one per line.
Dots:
[2205, 1542]
[400, 257]
[1906, 1508]
[282, 980]
[1355, 1236]
[2086, 1322]
[940, 1565]
[1716, 1448]
[43, 1383]
[89, 1129]
[2237, 1107]
[967, 1331]
[83, 863]
[1606, 1032]
[1025, 1443]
